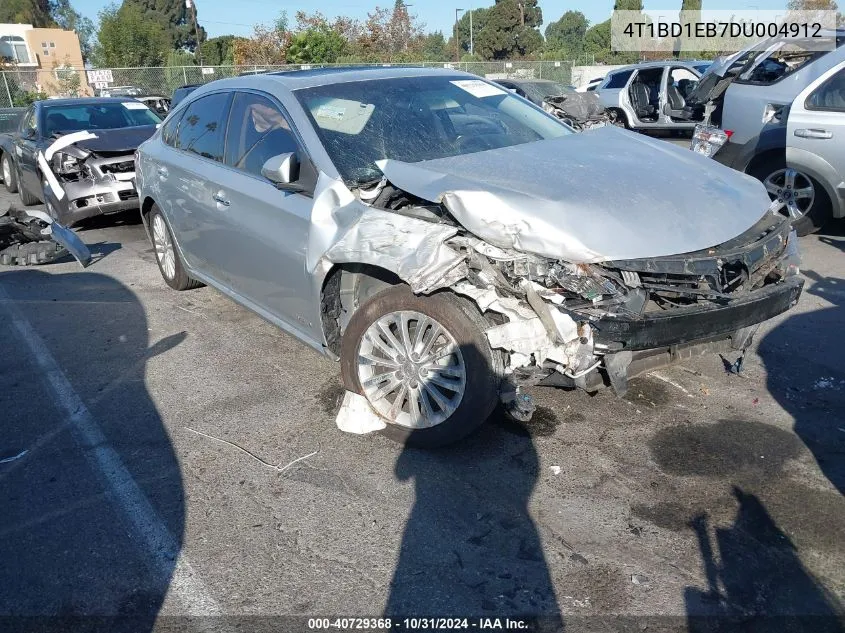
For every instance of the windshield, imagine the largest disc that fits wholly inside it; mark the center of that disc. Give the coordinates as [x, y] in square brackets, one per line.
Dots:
[96, 116]
[418, 118]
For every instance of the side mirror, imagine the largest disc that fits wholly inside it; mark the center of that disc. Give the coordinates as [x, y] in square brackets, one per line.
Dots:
[282, 169]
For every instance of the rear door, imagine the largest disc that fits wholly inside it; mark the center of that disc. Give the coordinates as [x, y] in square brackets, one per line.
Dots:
[815, 138]
[190, 176]
[263, 231]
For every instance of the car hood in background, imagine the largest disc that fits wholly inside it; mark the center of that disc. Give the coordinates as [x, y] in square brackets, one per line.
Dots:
[600, 195]
[118, 140]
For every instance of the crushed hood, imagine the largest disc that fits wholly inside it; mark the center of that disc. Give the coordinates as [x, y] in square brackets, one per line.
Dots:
[118, 140]
[601, 195]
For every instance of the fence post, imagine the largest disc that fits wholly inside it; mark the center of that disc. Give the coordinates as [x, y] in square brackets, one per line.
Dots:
[184, 76]
[8, 94]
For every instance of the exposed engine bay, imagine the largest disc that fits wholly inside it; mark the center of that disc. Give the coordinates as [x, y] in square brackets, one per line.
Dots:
[580, 110]
[84, 182]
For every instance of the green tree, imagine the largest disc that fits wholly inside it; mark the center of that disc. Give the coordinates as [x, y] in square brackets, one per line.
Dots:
[433, 48]
[66, 17]
[316, 45]
[479, 21]
[218, 51]
[34, 12]
[127, 39]
[511, 30]
[174, 73]
[628, 5]
[566, 36]
[176, 19]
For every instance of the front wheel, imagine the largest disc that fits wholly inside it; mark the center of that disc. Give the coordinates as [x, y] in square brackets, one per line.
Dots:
[798, 196]
[9, 177]
[424, 365]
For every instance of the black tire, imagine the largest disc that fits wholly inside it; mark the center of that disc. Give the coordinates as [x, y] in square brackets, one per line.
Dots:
[483, 366]
[180, 279]
[27, 199]
[820, 210]
[6, 165]
[621, 119]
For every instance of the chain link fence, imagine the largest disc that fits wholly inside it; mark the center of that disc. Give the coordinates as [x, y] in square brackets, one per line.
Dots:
[18, 87]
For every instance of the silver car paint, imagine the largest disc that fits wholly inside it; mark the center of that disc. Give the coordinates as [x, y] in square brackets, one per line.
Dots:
[815, 142]
[598, 207]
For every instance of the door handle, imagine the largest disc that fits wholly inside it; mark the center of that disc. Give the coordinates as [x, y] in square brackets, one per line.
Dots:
[220, 198]
[820, 134]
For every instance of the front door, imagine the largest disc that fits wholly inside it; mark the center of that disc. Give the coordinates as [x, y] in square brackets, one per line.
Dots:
[265, 229]
[815, 136]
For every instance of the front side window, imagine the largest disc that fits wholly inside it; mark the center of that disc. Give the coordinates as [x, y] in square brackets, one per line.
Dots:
[202, 128]
[257, 131]
[168, 132]
[28, 123]
[96, 116]
[830, 95]
[414, 119]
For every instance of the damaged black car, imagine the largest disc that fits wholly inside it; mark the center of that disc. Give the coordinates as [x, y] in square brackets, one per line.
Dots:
[77, 155]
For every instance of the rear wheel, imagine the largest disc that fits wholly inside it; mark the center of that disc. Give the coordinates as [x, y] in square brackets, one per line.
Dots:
[423, 364]
[169, 262]
[10, 179]
[799, 197]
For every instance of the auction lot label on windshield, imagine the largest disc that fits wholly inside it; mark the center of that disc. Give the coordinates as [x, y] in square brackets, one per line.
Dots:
[674, 32]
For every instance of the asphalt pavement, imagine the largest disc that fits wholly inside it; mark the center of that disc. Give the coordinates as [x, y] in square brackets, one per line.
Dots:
[168, 454]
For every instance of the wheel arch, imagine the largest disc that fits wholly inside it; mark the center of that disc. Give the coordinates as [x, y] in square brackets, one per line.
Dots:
[344, 288]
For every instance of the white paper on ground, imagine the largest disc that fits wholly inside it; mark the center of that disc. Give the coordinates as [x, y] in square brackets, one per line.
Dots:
[356, 416]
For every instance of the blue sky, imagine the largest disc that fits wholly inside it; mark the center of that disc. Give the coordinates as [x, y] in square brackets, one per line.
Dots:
[221, 17]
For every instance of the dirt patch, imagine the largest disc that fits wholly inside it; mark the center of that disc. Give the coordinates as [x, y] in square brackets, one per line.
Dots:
[330, 396]
[649, 392]
[724, 449]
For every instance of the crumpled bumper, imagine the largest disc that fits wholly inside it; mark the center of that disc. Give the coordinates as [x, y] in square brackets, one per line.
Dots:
[88, 199]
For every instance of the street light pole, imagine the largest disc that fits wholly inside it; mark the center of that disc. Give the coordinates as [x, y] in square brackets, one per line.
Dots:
[471, 52]
[457, 37]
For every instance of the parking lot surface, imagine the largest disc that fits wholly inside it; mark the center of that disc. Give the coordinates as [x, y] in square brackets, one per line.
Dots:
[171, 453]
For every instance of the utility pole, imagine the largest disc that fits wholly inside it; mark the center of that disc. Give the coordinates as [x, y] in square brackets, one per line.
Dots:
[521, 6]
[189, 4]
[471, 51]
[457, 37]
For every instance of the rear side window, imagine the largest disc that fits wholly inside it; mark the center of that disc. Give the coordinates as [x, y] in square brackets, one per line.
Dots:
[257, 131]
[830, 95]
[619, 80]
[202, 127]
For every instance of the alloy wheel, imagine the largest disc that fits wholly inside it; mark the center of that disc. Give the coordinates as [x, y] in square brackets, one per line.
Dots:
[792, 193]
[411, 369]
[164, 247]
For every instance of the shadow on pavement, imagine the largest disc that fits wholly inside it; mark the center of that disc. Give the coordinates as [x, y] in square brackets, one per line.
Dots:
[756, 581]
[470, 547]
[69, 545]
[803, 359]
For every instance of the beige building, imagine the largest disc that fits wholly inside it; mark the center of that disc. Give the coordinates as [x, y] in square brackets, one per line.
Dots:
[49, 60]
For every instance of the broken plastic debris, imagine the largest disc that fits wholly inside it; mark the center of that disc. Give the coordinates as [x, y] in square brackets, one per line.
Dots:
[520, 406]
[356, 416]
[639, 579]
[555, 470]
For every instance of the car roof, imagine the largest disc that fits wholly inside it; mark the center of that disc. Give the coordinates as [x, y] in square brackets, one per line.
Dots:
[85, 101]
[661, 64]
[523, 80]
[299, 79]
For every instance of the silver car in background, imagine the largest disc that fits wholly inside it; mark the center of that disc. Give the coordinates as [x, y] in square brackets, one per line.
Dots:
[652, 95]
[451, 243]
[776, 111]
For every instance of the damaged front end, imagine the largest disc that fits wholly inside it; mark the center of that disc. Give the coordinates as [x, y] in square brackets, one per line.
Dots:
[81, 182]
[580, 325]
[580, 110]
[596, 325]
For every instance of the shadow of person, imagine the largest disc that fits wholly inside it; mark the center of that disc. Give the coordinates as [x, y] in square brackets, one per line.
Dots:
[470, 547]
[759, 583]
[803, 360]
[83, 486]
